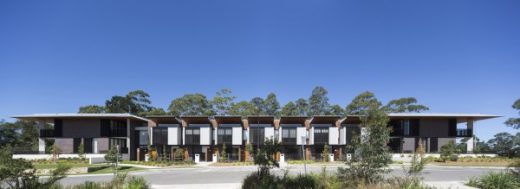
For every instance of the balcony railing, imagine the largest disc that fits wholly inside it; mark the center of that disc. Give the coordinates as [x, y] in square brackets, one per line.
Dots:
[47, 133]
[464, 132]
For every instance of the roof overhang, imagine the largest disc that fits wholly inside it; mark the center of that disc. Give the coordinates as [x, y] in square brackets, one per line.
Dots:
[228, 119]
[48, 117]
[260, 119]
[165, 119]
[196, 119]
[293, 119]
[325, 119]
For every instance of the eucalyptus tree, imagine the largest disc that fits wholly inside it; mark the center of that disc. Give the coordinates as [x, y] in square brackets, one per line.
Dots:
[302, 107]
[271, 105]
[92, 109]
[190, 104]
[318, 101]
[514, 122]
[407, 104]
[222, 102]
[362, 103]
[289, 110]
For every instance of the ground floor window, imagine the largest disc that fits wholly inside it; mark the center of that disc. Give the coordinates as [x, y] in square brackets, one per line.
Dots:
[121, 142]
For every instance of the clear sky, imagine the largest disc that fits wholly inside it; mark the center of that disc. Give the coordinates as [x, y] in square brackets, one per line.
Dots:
[454, 56]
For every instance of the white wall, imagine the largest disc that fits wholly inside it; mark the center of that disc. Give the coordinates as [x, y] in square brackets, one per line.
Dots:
[237, 135]
[333, 135]
[311, 136]
[269, 132]
[343, 135]
[300, 132]
[173, 136]
[204, 136]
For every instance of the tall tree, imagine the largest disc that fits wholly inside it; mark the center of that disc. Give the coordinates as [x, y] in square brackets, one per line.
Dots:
[191, 104]
[156, 111]
[259, 105]
[92, 109]
[271, 104]
[242, 108]
[408, 104]
[139, 101]
[222, 102]
[289, 110]
[118, 104]
[514, 122]
[361, 103]
[503, 143]
[318, 101]
[302, 107]
[336, 110]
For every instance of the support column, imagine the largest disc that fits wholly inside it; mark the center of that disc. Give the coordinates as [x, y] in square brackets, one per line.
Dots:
[41, 142]
[470, 143]
[307, 153]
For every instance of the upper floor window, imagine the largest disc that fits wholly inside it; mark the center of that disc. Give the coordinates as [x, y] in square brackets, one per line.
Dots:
[321, 135]
[192, 136]
[289, 135]
[225, 135]
[256, 135]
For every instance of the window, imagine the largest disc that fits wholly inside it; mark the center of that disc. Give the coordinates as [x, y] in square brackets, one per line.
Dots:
[225, 135]
[257, 135]
[143, 138]
[118, 141]
[289, 135]
[321, 135]
[407, 127]
[192, 136]
[160, 136]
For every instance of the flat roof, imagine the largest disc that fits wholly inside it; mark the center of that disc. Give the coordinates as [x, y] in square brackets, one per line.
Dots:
[164, 119]
[79, 115]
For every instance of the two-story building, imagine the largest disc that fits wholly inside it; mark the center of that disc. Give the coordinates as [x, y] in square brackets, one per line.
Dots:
[299, 137]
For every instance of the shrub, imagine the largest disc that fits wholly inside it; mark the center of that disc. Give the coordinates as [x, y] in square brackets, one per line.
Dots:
[137, 183]
[449, 151]
[500, 180]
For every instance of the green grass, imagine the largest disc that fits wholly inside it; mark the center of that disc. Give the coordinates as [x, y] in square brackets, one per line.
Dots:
[297, 162]
[53, 166]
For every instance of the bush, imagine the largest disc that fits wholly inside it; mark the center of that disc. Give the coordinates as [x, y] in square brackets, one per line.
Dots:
[501, 180]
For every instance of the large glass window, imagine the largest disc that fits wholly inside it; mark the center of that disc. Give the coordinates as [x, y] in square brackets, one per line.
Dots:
[257, 135]
[289, 135]
[225, 135]
[192, 136]
[321, 135]
[143, 138]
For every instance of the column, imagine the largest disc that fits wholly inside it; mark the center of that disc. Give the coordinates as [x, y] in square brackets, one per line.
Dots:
[470, 142]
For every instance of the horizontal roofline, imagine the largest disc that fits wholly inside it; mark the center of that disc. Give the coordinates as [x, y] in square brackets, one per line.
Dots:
[80, 115]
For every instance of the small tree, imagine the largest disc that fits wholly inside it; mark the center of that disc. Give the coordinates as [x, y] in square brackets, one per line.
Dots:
[417, 164]
[112, 156]
[449, 151]
[56, 151]
[223, 153]
[264, 158]
[371, 154]
[325, 153]
[81, 150]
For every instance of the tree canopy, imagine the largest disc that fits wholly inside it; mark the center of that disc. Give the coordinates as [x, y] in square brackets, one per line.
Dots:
[407, 104]
[135, 102]
[318, 101]
[362, 103]
[515, 122]
[191, 104]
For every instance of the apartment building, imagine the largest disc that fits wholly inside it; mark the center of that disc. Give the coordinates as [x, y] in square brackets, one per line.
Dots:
[202, 136]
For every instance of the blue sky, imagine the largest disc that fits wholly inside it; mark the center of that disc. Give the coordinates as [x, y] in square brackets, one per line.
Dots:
[454, 56]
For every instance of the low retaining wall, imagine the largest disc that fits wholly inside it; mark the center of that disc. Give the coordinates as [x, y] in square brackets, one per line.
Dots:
[93, 158]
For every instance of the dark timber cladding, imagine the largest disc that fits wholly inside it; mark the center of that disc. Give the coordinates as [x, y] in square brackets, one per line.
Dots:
[228, 120]
[260, 120]
[166, 119]
[293, 120]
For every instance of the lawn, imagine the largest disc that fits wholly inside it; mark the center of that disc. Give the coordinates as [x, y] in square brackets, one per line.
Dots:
[249, 163]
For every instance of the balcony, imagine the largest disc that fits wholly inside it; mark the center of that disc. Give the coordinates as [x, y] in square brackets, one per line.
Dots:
[46, 133]
[464, 132]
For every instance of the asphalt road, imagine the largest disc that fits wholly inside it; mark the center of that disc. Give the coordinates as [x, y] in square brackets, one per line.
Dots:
[223, 175]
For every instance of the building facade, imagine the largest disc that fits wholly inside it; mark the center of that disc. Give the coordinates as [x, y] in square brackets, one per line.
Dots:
[202, 137]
